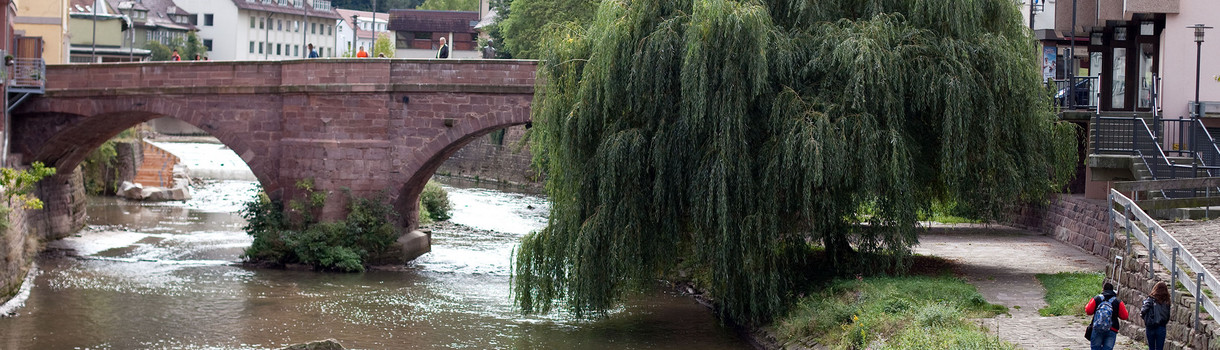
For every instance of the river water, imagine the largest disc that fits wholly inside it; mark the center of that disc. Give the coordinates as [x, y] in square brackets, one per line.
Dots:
[163, 276]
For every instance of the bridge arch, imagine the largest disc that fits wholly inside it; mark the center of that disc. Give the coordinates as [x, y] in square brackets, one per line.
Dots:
[64, 138]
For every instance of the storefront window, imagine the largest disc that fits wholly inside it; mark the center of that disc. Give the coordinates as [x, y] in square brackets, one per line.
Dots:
[1118, 79]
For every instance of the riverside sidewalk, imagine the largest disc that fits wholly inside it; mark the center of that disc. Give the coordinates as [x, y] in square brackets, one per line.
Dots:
[1002, 261]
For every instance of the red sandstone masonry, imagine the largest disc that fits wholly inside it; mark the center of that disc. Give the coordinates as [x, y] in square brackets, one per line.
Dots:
[341, 122]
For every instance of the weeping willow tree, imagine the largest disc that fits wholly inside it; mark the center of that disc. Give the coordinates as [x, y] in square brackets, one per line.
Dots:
[732, 133]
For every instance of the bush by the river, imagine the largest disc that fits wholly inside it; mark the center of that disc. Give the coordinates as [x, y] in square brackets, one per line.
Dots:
[434, 204]
[296, 236]
[908, 312]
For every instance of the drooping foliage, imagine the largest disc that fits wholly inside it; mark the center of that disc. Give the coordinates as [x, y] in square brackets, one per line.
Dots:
[729, 134]
[521, 25]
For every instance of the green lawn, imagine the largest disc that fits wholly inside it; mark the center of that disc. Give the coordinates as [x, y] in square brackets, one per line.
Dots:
[1068, 292]
[911, 312]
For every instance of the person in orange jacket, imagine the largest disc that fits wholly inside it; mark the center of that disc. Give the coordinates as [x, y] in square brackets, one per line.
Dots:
[362, 53]
[1106, 310]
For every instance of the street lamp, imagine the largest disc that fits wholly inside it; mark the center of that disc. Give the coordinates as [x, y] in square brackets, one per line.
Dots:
[1199, 28]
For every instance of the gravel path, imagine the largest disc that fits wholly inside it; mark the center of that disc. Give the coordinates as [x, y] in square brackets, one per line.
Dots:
[1002, 261]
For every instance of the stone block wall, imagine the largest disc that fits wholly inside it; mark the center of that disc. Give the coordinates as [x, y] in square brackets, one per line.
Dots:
[1071, 219]
[63, 211]
[1083, 223]
[18, 246]
[1131, 279]
[503, 161]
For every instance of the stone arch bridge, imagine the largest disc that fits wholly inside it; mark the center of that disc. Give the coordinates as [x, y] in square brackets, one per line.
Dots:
[368, 125]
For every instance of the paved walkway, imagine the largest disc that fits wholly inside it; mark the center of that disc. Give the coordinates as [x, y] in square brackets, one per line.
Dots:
[1200, 239]
[1002, 262]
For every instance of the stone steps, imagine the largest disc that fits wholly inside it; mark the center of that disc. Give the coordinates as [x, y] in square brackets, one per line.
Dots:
[157, 168]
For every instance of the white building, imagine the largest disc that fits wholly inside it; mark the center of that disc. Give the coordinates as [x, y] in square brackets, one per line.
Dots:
[265, 29]
[366, 25]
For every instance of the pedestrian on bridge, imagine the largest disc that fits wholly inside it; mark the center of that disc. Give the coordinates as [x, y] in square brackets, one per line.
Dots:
[1155, 313]
[444, 50]
[362, 53]
[1106, 309]
[312, 53]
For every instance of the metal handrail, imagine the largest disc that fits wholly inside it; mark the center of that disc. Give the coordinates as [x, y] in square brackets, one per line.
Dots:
[1178, 251]
[28, 73]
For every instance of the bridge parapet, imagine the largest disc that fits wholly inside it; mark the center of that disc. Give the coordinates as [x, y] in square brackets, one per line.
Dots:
[305, 75]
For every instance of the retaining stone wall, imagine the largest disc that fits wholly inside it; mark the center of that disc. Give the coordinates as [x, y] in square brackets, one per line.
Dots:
[18, 246]
[1071, 219]
[486, 159]
[1131, 279]
[1081, 222]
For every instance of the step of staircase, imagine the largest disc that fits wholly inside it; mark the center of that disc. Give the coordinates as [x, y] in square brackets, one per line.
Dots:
[157, 168]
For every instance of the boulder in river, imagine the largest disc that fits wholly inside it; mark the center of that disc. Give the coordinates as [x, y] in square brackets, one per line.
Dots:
[329, 344]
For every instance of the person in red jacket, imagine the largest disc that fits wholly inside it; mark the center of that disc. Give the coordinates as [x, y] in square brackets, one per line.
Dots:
[1103, 337]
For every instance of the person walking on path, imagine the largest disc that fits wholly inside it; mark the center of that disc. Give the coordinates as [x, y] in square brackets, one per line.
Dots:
[312, 53]
[444, 50]
[1106, 310]
[175, 56]
[1155, 313]
[362, 53]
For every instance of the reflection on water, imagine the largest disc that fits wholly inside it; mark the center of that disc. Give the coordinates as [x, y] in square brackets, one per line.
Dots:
[159, 275]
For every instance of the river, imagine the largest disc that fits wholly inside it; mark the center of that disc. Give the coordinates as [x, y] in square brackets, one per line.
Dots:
[164, 276]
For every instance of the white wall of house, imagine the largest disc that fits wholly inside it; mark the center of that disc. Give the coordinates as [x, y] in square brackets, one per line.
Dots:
[1178, 52]
[1042, 20]
[417, 53]
[272, 36]
[343, 37]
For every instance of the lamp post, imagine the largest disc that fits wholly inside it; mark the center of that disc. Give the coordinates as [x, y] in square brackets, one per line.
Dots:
[1199, 28]
[354, 29]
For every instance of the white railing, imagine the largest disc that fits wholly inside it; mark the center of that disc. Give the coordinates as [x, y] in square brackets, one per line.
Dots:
[1169, 258]
[28, 74]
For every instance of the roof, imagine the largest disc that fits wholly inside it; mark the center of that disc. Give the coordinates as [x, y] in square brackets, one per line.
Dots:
[86, 6]
[433, 21]
[158, 13]
[288, 7]
[347, 14]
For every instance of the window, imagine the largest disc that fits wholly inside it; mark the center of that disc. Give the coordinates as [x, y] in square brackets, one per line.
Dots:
[251, 21]
[251, 47]
[313, 28]
[260, 22]
[208, 19]
[260, 47]
[207, 43]
[279, 25]
[330, 30]
[296, 50]
[296, 26]
[278, 50]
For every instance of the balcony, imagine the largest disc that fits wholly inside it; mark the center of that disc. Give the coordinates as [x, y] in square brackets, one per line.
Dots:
[1084, 90]
[27, 75]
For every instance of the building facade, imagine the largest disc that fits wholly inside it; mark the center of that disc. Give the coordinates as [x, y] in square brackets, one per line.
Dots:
[367, 25]
[265, 29]
[46, 19]
[417, 33]
[101, 35]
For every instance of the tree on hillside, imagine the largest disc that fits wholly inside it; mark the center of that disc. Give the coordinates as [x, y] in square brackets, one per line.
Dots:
[522, 24]
[725, 136]
[450, 5]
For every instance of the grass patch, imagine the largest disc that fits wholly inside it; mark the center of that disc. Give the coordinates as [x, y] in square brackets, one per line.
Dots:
[947, 213]
[909, 312]
[1067, 292]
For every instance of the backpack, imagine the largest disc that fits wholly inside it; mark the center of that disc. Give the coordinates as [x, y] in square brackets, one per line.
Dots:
[1157, 315]
[1103, 318]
